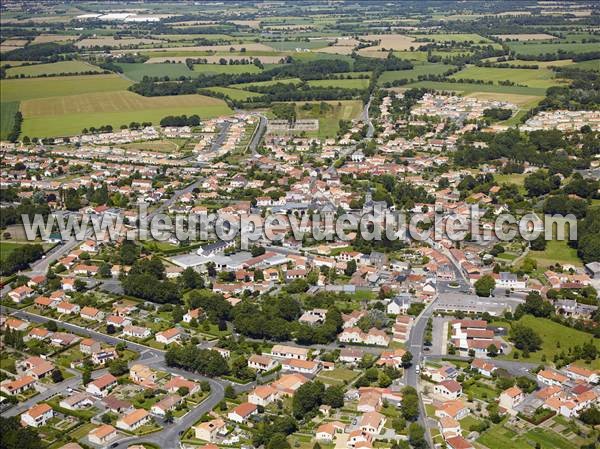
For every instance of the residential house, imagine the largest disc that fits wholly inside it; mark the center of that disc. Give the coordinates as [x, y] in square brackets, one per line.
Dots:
[289, 352]
[134, 420]
[372, 422]
[102, 435]
[177, 382]
[168, 403]
[448, 389]
[136, 331]
[261, 363]
[169, 336]
[326, 432]
[210, 430]
[301, 366]
[101, 386]
[243, 412]
[77, 401]
[18, 385]
[511, 397]
[37, 416]
[89, 346]
[263, 395]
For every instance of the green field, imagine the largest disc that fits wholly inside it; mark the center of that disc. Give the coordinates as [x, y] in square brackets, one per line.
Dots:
[553, 333]
[292, 45]
[449, 37]
[266, 83]
[226, 68]
[234, 94]
[414, 73]
[338, 376]
[556, 251]
[541, 78]
[470, 88]
[137, 71]
[523, 48]
[357, 83]
[30, 88]
[593, 64]
[7, 117]
[52, 69]
[6, 248]
[68, 115]
[329, 121]
[500, 437]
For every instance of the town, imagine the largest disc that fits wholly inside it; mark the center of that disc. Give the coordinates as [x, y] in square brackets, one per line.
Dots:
[249, 112]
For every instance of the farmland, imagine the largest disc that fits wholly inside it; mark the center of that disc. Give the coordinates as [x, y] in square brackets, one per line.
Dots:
[213, 69]
[414, 73]
[68, 115]
[137, 71]
[470, 88]
[536, 49]
[540, 78]
[7, 117]
[52, 69]
[234, 94]
[267, 83]
[27, 89]
[344, 83]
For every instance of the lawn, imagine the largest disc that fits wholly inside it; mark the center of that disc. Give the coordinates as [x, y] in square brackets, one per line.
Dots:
[471, 88]
[214, 69]
[7, 117]
[541, 78]
[53, 68]
[8, 247]
[329, 120]
[552, 334]
[356, 83]
[337, 376]
[7, 363]
[414, 73]
[137, 71]
[68, 115]
[58, 86]
[557, 251]
[234, 94]
[512, 178]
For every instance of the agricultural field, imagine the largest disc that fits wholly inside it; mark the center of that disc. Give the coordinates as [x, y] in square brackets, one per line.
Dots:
[7, 117]
[414, 73]
[137, 71]
[541, 78]
[357, 83]
[266, 83]
[30, 88]
[234, 94]
[525, 37]
[471, 88]
[68, 115]
[215, 69]
[593, 64]
[293, 45]
[52, 69]
[450, 37]
[536, 49]
[6, 248]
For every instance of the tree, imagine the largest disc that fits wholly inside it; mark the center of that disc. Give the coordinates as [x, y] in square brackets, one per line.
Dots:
[51, 326]
[492, 350]
[485, 285]
[410, 404]
[15, 436]
[525, 338]
[407, 359]
[307, 399]
[350, 268]
[118, 367]
[590, 416]
[86, 377]
[184, 391]
[416, 436]
[57, 376]
[334, 396]
[169, 417]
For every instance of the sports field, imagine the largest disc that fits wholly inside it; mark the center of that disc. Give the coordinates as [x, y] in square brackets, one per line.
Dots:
[542, 78]
[68, 115]
[356, 83]
[234, 94]
[53, 69]
[7, 117]
[137, 71]
[27, 89]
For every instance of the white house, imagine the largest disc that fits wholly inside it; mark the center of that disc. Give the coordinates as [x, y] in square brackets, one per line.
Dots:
[448, 389]
[134, 420]
[243, 412]
[37, 416]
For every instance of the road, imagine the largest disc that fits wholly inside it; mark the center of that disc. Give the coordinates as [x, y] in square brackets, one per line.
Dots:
[415, 346]
[169, 436]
